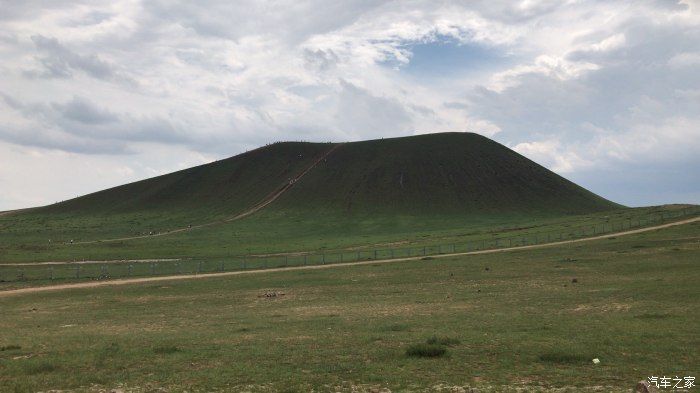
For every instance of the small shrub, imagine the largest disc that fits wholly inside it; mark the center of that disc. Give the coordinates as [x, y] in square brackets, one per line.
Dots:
[424, 350]
[10, 348]
[446, 341]
[165, 350]
[564, 358]
[40, 368]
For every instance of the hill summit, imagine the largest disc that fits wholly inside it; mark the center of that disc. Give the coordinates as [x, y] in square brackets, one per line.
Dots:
[445, 173]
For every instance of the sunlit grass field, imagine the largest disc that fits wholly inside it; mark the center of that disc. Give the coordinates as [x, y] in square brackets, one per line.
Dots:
[278, 231]
[528, 319]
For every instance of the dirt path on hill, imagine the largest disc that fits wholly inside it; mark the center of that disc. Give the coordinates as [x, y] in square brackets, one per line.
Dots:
[94, 284]
[274, 195]
[259, 205]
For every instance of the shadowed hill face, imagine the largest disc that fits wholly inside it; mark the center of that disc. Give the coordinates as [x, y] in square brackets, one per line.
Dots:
[450, 173]
[222, 187]
[454, 173]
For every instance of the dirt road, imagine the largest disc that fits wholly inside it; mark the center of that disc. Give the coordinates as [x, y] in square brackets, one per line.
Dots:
[87, 262]
[94, 284]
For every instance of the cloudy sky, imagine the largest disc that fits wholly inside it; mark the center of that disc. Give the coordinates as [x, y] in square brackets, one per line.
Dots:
[99, 93]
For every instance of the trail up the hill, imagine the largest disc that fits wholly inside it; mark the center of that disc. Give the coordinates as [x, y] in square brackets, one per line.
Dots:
[253, 209]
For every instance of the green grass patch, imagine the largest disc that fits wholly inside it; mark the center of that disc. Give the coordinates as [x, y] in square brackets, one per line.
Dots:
[559, 357]
[653, 316]
[40, 367]
[425, 350]
[166, 350]
[10, 347]
[395, 327]
[445, 341]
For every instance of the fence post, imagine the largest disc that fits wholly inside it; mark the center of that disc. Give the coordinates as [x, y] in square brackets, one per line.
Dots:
[153, 269]
[77, 272]
[375, 254]
[221, 267]
[51, 269]
[305, 259]
[129, 271]
[199, 267]
[286, 260]
[323, 258]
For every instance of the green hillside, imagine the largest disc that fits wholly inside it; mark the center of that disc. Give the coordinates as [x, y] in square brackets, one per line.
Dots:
[457, 173]
[315, 195]
[222, 187]
[436, 173]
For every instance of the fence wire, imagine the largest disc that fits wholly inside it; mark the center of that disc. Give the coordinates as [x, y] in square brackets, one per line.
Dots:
[113, 270]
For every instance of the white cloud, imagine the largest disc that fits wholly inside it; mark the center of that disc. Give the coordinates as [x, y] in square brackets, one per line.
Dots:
[579, 85]
[685, 59]
[552, 154]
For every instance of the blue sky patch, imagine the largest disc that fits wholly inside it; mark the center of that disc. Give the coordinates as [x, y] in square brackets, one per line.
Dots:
[448, 57]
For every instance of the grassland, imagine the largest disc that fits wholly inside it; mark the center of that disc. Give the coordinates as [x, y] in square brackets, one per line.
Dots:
[512, 320]
[22, 274]
[273, 232]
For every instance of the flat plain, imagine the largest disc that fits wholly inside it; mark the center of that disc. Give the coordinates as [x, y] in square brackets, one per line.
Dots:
[530, 320]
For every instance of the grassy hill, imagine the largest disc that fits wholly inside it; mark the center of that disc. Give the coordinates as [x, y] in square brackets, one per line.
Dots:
[350, 194]
[456, 173]
[427, 174]
[219, 188]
